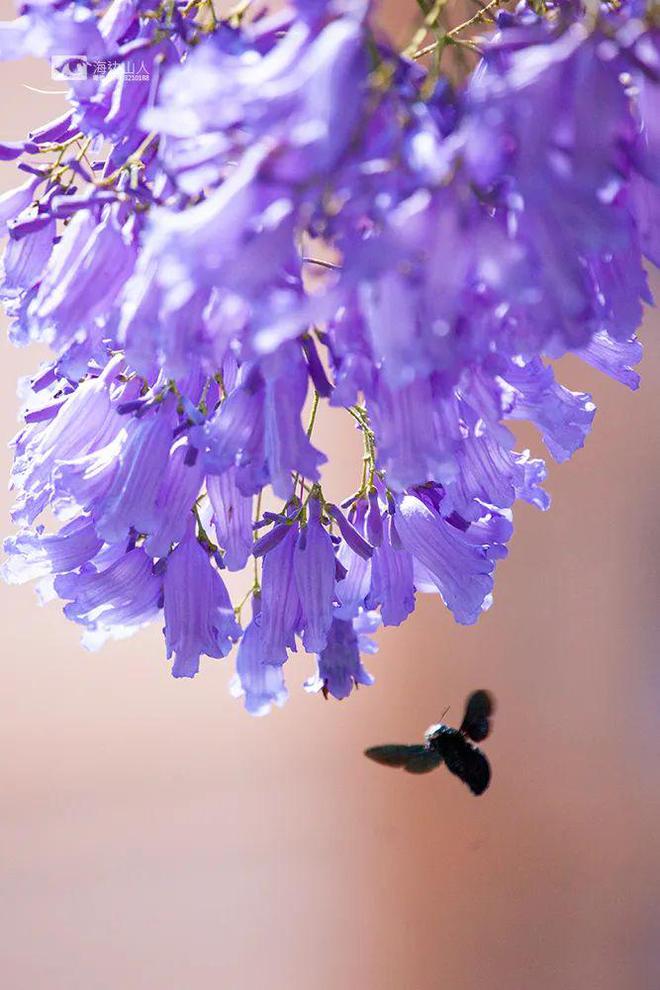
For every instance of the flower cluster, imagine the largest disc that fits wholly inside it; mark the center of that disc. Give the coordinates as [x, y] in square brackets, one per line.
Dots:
[279, 209]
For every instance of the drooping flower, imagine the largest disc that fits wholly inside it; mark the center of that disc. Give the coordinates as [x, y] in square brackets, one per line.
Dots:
[461, 570]
[261, 684]
[34, 555]
[339, 667]
[232, 518]
[280, 604]
[113, 594]
[314, 571]
[392, 578]
[199, 618]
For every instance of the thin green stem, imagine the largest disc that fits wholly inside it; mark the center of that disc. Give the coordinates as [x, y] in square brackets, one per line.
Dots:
[361, 416]
[312, 417]
[476, 18]
[257, 515]
[239, 608]
[431, 11]
[451, 37]
[133, 161]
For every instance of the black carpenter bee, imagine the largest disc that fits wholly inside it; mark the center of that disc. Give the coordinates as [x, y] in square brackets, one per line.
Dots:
[443, 744]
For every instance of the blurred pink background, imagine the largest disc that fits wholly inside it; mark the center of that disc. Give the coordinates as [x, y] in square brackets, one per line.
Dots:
[154, 835]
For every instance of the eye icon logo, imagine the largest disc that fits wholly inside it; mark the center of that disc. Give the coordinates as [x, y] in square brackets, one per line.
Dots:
[64, 68]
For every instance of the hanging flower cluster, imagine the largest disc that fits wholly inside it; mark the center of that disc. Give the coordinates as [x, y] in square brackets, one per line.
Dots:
[242, 214]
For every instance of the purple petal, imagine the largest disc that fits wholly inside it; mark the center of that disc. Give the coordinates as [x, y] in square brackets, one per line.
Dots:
[178, 490]
[314, 571]
[356, 542]
[130, 501]
[14, 201]
[353, 586]
[33, 555]
[339, 667]
[374, 524]
[199, 618]
[392, 582]
[270, 540]
[124, 594]
[260, 683]
[280, 604]
[460, 571]
[232, 518]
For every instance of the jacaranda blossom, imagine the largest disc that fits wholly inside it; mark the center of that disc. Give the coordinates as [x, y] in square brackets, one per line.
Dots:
[242, 219]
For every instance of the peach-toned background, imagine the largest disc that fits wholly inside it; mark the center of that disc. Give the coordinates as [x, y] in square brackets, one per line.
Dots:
[152, 835]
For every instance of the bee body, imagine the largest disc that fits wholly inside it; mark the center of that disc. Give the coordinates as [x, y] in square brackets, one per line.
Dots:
[445, 744]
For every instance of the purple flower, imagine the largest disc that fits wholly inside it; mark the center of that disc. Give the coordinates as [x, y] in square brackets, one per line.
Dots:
[232, 518]
[280, 601]
[339, 667]
[84, 422]
[14, 201]
[90, 267]
[412, 444]
[33, 555]
[179, 488]
[25, 259]
[199, 619]
[352, 537]
[374, 521]
[392, 579]
[258, 426]
[44, 30]
[112, 596]
[287, 448]
[261, 684]
[616, 358]
[460, 570]
[352, 585]
[581, 254]
[299, 96]
[120, 484]
[314, 571]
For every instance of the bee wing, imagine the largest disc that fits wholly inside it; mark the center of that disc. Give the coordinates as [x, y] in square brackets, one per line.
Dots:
[422, 762]
[468, 764]
[414, 759]
[478, 710]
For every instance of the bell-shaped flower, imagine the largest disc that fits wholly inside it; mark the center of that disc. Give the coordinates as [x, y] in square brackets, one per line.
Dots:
[116, 598]
[353, 582]
[461, 571]
[280, 602]
[130, 500]
[261, 684]
[32, 555]
[199, 618]
[88, 272]
[392, 581]
[339, 667]
[232, 518]
[178, 491]
[314, 571]
[84, 422]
